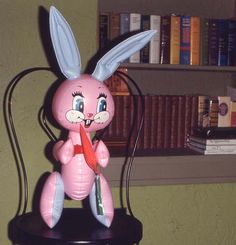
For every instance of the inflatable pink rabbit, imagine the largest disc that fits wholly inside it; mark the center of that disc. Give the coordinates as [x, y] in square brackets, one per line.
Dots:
[82, 104]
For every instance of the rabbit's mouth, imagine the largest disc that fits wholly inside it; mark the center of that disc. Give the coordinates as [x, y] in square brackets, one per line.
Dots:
[87, 122]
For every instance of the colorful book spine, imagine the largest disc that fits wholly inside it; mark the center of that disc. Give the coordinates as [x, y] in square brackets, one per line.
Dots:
[135, 25]
[175, 39]
[222, 42]
[114, 25]
[195, 40]
[145, 26]
[165, 40]
[185, 40]
[154, 54]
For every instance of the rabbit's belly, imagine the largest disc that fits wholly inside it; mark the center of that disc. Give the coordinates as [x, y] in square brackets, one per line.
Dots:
[78, 178]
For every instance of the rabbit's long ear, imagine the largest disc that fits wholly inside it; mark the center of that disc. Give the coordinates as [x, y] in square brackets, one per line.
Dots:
[107, 65]
[64, 44]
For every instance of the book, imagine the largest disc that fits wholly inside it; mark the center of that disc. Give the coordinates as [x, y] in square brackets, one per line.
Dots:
[167, 121]
[233, 113]
[154, 124]
[114, 25]
[224, 111]
[213, 112]
[154, 51]
[204, 57]
[165, 40]
[216, 133]
[203, 110]
[195, 40]
[185, 39]
[147, 130]
[145, 26]
[194, 113]
[187, 117]
[210, 142]
[213, 42]
[173, 121]
[231, 54]
[211, 151]
[124, 23]
[217, 147]
[180, 122]
[160, 122]
[104, 30]
[222, 42]
[135, 25]
[174, 39]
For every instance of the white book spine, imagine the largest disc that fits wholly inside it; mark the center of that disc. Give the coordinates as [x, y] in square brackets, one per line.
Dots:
[224, 111]
[155, 24]
[135, 25]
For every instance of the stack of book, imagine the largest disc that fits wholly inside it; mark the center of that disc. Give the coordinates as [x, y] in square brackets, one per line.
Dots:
[213, 141]
[180, 39]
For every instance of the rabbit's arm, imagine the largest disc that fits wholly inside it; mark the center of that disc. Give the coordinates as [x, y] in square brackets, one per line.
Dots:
[102, 153]
[63, 151]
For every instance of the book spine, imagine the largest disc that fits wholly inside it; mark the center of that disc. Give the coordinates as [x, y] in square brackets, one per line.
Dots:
[233, 113]
[135, 25]
[204, 57]
[213, 112]
[213, 42]
[195, 40]
[154, 54]
[224, 111]
[180, 122]
[114, 25]
[154, 125]
[165, 40]
[175, 39]
[104, 33]
[167, 121]
[126, 118]
[160, 122]
[173, 121]
[124, 23]
[147, 123]
[187, 117]
[185, 40]
[231, 42]
[145, 26]
[202, 109]
[194, 113]
[223, 42]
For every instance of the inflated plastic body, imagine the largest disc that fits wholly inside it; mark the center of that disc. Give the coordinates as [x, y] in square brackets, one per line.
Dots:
[82, 104]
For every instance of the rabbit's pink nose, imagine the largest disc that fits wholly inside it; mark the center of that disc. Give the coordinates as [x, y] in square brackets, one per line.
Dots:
[90, 115]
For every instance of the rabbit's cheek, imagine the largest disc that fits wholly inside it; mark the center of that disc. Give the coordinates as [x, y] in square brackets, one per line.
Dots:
[101, 117]
[74, 116]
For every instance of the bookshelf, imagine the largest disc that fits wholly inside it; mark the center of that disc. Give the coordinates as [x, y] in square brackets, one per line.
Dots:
[178, 79]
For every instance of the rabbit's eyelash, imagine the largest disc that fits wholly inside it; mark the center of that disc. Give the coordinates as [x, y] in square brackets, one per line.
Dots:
[77, 93]
[101, 95]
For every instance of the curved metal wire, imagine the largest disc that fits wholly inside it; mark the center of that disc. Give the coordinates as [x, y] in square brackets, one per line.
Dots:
[10, 126]
[130, 157]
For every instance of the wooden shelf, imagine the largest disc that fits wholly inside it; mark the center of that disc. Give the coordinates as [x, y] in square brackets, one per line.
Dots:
[226, 69]
[187, 169]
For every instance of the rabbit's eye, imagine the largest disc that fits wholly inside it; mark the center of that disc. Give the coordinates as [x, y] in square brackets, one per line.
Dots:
[102, 104]
[78, 104]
